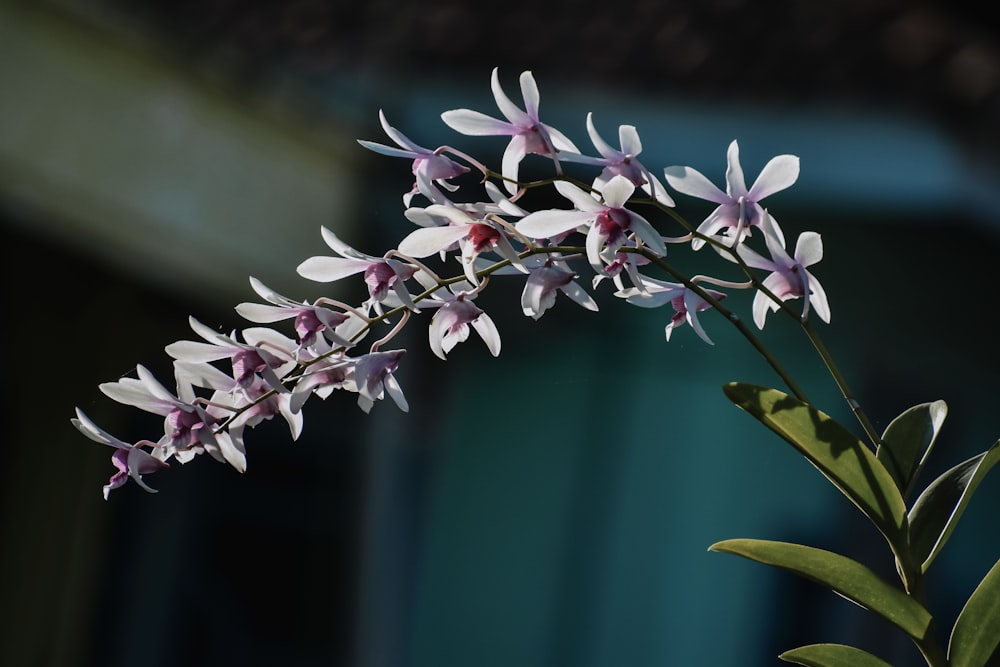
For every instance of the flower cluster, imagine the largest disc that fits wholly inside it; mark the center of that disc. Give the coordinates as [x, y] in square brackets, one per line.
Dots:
[226, 383]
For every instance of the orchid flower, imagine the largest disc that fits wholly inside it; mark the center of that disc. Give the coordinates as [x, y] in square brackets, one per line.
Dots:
[259, 402]
[686, 303]
[381, 274]
[310, 319]
[607, 225]
[623, 162]
[545, 278]
[373, 374]
[258, 355]
[429, 167]
[130, 459]
[473, 235]
[186, 424]
[789, 278]
[627, 262]
[456, 312]
[528, 134]
[334, 371]
[738, 208]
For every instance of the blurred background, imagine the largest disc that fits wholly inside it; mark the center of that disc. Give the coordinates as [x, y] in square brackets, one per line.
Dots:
[552, 507]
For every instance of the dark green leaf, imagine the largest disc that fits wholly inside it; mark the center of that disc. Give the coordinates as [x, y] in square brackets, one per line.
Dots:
[832, 655]
[977, 631]
[908, 440]
[842, 575]
[835, 451]
[937, 510]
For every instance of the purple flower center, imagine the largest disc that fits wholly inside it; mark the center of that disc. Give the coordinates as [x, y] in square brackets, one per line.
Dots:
[379, 277]
[612, 224]
[534, 141]
[245, 364]
[183, 427]
[307, 325]
[483, 237]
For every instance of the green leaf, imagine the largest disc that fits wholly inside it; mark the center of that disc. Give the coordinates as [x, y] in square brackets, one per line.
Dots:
[976, 634]
[832, 655]
[835, 451]
[908, 440]
[935, 513]
[842, 575]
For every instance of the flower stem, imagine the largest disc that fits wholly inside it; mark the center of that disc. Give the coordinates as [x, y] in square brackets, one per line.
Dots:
[838, 377]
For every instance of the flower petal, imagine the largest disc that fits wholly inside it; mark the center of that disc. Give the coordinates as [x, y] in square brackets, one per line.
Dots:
[779, 173]
[617, 192]
[475, 123]
[328, 269]
[692, 182]
[426, 241]
[515, 115]
[809, 248]
[487, 330]
[817, 297]
[736, 185]
[603, 147]
[629, 138]
[546, 224]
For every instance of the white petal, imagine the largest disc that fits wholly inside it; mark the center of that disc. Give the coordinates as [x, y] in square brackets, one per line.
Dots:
[395, 392]
[779, 173]
[398, 136]
[95, 432]
[692, 182]
[529, 91]
[263, 313]
[154, 386]
[761, 304]
[233, 452]
[578, 294]
[736, 185]
[776, 247]
[487, 330]
[645, 231]
[340, 247]
[691, 303]
[435, 335]
[602, 146]
[130, 391]
[209, 334]
[751, 258]
[450, 213]
[475, 123]
[546, 224]
[510, 110]
[189, 350]
[387, 150]
[328, 269]
[560, 141]
[426, 241]
[629, 138]
[274, 340]
[204, 375]
[510, 163]
[265, 292]
[809, 248]
[617, 192]
[581, 199]
[817, 298]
